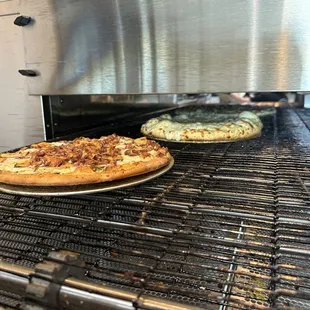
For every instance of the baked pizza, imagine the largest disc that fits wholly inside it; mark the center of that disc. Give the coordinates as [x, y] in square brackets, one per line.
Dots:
[201, 125]
[82, 161]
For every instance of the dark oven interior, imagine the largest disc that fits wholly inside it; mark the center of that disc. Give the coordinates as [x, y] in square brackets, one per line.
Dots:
[226, 228]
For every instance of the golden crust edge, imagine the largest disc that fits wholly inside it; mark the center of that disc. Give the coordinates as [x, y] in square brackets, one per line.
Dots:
[241, 138]
[183, 138]
[82, 178]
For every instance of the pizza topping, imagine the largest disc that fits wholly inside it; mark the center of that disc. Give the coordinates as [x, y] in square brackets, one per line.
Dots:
[53, 161]
[99, 168]
[20, 164]
[40, 153]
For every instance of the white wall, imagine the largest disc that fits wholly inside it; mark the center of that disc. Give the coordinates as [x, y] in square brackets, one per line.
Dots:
[20, 114]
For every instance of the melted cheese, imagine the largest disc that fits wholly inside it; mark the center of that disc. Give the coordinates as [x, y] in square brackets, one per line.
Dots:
[58, 143]
[32, 170]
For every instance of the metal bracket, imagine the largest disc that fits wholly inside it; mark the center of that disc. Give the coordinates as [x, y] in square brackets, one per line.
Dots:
[44, 285]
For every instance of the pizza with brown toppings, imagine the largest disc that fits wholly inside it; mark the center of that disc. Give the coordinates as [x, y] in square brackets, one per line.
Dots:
[82, 161]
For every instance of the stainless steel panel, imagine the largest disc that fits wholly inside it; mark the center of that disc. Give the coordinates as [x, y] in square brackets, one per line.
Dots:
[171, 46]
[20, 116]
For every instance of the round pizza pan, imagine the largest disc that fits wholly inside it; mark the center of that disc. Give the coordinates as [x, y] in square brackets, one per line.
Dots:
[83, 189]
[202, 142]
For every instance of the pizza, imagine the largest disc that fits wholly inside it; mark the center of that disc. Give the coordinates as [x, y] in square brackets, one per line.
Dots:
[82, 161]
[203, 125]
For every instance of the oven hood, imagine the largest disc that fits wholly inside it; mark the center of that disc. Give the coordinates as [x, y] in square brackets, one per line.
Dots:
[171, 46]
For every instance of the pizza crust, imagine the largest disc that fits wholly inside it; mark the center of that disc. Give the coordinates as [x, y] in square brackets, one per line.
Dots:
[180, 128]
[84, 175]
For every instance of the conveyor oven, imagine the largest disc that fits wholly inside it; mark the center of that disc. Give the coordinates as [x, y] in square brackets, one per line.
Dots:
[228, 226]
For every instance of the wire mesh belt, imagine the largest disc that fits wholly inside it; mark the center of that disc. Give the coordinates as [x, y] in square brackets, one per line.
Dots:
[227, 228]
